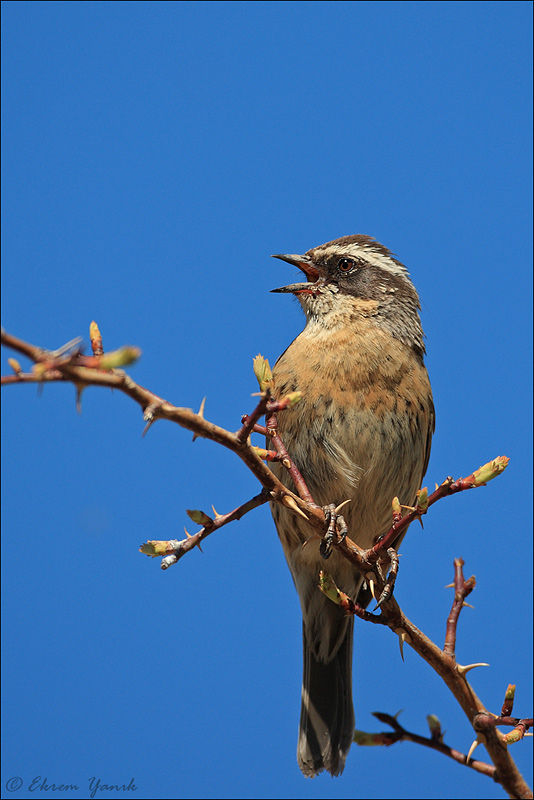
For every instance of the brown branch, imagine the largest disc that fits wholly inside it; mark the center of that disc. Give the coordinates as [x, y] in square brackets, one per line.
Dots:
[447, 488]
[462, 588]
[483, 722]
[74, 369]
[365, 560]
[271, 423]
[96, 370]
[351, 607]
[173, 550]
[453, 674]
[400, 734]
[249, 422]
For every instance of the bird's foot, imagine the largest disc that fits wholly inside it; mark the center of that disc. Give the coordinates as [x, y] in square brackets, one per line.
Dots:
[337, 529]
[387, 569]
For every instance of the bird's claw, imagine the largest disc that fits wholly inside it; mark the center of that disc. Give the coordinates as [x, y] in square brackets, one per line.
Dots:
[388, 579]
[337, 528]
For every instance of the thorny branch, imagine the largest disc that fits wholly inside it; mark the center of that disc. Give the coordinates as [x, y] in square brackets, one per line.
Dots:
[68, 364]
[454, 675]
[462, 588]
[174, 549]
[84, 371]
[434, 742]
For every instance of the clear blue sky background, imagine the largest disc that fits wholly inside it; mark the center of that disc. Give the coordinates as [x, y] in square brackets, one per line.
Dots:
[154, 156]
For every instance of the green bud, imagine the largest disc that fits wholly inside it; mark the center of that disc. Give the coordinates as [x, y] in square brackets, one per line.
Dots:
[262, 371]
[490, 470]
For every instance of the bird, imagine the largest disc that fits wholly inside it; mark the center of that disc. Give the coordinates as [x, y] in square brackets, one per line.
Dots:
[362, 432]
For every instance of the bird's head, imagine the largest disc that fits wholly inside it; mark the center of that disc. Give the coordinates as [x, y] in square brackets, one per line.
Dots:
[355, 277]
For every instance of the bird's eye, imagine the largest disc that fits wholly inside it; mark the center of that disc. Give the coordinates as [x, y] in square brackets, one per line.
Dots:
[345, 264]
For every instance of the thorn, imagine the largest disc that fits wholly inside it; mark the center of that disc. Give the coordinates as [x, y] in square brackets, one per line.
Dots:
[79, 390]
[216, 514]
[371, 583]
[147, 426]
[200, 414]
[449, 586]
[311, 539]
[402, 639]
[463, 670]
[149, 416]
[437, 487]
[66, 347]
[421, 521]
[287, 463]
[288, 501]
[340, 506]
[467, 605]
[190, 537]
[472, 750]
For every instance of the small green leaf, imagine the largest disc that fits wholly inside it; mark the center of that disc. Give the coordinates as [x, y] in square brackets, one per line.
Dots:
[198, 516]
[120, 358]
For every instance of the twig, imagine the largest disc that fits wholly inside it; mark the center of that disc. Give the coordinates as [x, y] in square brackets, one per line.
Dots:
[400, 734]
[85, 371]
[271, 423]
[365, 560]
[483, 722]
[173, 550]
[249, 422]
[462, 588]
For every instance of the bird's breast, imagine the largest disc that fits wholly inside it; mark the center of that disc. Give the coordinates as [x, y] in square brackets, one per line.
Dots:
[361, 428]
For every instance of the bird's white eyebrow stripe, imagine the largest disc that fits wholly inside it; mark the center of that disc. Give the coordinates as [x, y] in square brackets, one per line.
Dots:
[368, 254]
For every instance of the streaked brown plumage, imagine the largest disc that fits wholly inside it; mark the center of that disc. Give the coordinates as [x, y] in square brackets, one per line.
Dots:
[362, 431]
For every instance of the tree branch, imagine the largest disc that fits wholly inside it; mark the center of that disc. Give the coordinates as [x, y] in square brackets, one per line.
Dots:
[434, 742]
[84, 371]
[68, 364]
[444, 664]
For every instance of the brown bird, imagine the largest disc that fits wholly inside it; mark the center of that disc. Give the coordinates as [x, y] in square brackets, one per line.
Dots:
[361, 431]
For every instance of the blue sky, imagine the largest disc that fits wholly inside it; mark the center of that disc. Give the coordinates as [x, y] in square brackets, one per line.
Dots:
[154, 156]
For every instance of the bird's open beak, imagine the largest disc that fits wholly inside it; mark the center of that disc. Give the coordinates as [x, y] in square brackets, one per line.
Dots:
[303, 263]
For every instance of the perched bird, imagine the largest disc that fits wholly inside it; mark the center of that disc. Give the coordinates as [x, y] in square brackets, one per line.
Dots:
[361, 431]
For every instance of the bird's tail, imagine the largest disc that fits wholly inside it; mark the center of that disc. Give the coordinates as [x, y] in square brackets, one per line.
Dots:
[327, 715]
